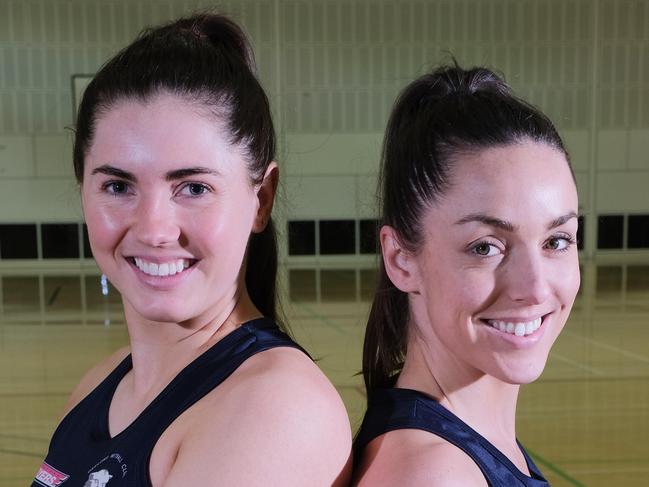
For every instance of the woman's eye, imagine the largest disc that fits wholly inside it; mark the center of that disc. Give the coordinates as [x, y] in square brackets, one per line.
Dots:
[558, 243]
[485, 249]
[116, 187]
[195, 189]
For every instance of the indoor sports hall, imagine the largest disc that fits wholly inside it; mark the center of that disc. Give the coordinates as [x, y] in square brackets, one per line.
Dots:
[332, 69]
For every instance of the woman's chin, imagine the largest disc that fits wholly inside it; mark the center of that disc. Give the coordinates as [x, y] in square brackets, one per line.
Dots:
[522, 375]
[161, 313]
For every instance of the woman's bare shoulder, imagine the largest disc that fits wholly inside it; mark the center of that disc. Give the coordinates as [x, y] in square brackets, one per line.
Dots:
[412, 458]
[93, 377]
[280, 367]
[279, 411]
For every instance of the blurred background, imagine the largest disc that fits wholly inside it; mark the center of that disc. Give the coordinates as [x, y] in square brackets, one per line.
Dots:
[332, 69]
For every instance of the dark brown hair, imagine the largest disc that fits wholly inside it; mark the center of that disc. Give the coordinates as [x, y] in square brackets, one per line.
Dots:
[436, 118]
[205, 59]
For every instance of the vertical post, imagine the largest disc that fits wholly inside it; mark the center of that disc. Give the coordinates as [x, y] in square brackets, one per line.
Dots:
[591, 215]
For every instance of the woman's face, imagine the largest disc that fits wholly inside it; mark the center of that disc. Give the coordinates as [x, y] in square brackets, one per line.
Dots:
[169, 208]
[498, 269]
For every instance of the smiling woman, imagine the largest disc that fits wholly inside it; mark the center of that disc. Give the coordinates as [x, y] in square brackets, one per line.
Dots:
[166, 188]
[478, 276]
[174, 155]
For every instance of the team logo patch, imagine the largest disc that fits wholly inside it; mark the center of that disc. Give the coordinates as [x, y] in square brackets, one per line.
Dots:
[49, 476]
[111, 466]
[98, 479]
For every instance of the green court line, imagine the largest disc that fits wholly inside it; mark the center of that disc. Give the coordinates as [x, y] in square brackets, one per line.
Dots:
[22, 453]
[24, 438]
[322, 318]
[619, 461]
[555, 469]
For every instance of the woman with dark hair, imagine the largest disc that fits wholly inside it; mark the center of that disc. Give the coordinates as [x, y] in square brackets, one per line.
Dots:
[174, 154]
[479, 273]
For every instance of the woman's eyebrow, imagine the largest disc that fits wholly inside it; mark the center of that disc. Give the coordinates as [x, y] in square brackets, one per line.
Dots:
[109, 170]
[561, 220]
[508, 226]
[487, 220]
[189, 171]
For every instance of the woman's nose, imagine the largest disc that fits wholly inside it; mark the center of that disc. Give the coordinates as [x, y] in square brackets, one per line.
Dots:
[528, 278]
[155, 221]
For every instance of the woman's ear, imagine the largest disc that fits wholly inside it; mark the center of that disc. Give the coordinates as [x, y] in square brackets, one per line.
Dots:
[399, 262]
[266, 196]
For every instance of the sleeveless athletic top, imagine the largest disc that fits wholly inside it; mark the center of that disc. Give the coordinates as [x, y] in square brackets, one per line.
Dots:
[394, 409]
[82, 452]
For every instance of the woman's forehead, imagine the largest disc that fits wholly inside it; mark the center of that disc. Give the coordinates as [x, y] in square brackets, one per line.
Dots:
[165, 131]
[512, 180]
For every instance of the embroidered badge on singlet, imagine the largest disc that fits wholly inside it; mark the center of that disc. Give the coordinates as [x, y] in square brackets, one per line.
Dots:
[99, 475]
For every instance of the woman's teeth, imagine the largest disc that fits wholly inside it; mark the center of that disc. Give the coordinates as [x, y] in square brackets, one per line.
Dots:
[518, 329]
[163, 269]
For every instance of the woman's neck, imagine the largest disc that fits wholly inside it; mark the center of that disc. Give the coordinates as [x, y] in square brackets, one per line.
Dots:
[485, 403]
[160, 350]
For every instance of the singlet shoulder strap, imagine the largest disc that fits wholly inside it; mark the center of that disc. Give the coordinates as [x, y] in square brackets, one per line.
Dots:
[208, 371]
[95, 405]
[393, 409]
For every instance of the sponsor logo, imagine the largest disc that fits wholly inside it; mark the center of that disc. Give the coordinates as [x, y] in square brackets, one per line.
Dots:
[49, 476]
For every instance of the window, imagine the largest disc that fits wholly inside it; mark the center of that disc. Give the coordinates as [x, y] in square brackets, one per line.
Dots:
[581, 281]
[301, 238]
[87, 251]
[338, 285]
[638, 232]
[100, 292]
[368, 284]
[337, 237]
[20, 294]
[369, 236]
[60, 240]
[18, 241]
[302, 285]
[637, 279]
[580, 233]
[609, 280]
[61, 293]
[610, 232]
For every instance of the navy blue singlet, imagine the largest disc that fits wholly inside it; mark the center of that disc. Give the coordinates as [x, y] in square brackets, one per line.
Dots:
[394, 409]
[82, 453]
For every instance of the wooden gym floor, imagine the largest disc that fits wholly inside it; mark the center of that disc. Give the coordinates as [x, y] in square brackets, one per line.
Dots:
[585, 421]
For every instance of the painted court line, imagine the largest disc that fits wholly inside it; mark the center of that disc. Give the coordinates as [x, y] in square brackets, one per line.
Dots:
[612, 348]
[22, 453]
[24, 438]
[322, 318]
[628, 470]
[576, 364]
[551, 466]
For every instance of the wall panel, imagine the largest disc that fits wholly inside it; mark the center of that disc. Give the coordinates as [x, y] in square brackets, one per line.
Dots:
[334, 67]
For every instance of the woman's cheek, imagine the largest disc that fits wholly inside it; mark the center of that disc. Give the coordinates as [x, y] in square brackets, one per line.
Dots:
[104, 224]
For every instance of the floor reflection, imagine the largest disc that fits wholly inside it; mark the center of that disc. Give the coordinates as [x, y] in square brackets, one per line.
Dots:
[585, 419]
